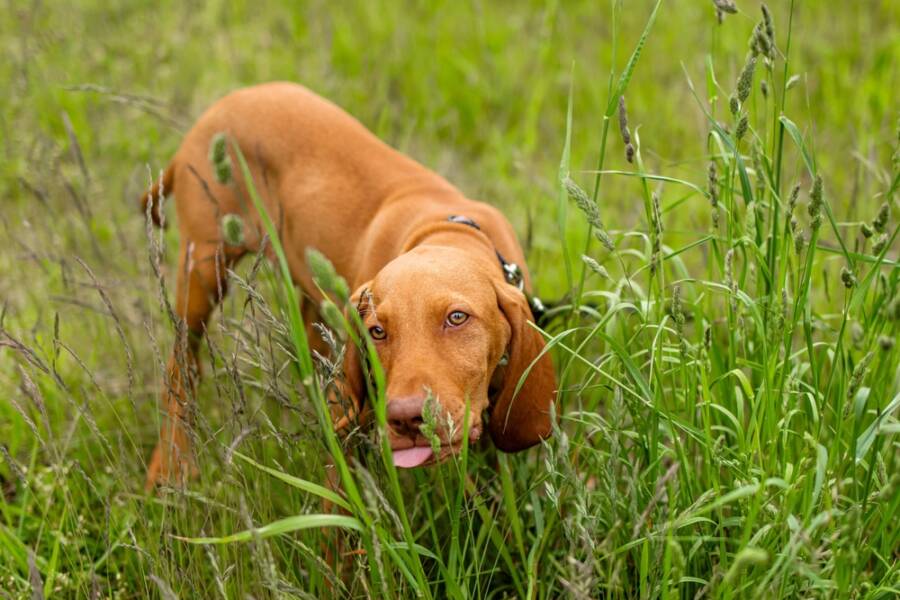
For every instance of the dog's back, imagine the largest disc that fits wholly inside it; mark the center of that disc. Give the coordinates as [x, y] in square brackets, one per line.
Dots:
[309, 159]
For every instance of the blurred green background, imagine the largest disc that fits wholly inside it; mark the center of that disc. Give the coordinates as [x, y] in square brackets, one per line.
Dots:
[476, 90]
[95, 97]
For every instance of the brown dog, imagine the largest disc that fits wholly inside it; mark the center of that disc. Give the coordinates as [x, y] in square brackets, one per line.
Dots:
[429, 267]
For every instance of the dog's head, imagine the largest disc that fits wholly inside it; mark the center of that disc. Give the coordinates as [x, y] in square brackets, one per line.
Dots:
[450, 332]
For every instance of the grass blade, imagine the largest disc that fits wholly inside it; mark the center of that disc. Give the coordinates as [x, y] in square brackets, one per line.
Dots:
[280, 527]
[300, 484]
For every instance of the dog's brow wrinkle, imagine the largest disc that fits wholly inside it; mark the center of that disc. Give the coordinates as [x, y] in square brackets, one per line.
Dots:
[366, 304]
[362, 307]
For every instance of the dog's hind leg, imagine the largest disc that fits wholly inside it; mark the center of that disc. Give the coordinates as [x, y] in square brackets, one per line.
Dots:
[200, 287]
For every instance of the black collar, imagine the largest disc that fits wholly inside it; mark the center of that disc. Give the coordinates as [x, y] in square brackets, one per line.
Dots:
[512, 273]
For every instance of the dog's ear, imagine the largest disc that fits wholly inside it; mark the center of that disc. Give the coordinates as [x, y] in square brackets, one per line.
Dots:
[354, 376]
[521, 420]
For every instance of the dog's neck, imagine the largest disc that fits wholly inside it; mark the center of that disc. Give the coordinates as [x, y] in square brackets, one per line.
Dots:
[456, 235]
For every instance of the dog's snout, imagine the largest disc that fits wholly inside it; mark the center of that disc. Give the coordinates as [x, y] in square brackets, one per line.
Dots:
[404, 415]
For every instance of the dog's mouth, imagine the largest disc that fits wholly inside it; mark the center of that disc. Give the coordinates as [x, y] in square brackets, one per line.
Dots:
[420, 456]
[409, 456]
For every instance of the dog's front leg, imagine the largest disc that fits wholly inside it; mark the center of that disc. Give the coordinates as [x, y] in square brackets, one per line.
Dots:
[200, 287]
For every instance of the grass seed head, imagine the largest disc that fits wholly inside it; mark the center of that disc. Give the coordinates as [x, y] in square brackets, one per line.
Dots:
[581, 199]
[656, 232]
[590, 210]
[886, 342]
[792, 199]
[768, 24]
[866, 231]
[761, 44]
[847, 278]
[859, 373]
[430, 425]
[753, 42]
[799, 241]
[603, 237]
[734, 105]
[595, 266]
[815, 202]
[880, 222]
[745, 80]
[233, 229]
[880, 243]
[218, 156]
[657, 214]
[623, 121]
[726, 6]
[623, 129]
[764, 88]
[792, 206]
[741, 129]
[331, 314]
[677, 309]
[816, 222]
[325, 276]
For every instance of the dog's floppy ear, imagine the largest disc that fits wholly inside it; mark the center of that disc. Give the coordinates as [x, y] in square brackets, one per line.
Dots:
[354, 376]
[521, 420]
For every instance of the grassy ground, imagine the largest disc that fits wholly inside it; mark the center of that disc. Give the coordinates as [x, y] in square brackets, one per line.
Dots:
[727, 415]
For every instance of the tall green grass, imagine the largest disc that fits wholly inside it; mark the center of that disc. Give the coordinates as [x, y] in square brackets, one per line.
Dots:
[726, 423]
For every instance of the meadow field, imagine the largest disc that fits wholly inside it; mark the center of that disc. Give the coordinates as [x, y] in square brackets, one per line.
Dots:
[720, 255]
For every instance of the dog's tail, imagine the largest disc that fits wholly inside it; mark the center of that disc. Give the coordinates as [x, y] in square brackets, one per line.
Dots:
[160, 188]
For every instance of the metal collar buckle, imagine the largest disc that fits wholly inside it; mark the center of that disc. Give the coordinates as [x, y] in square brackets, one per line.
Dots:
[512, 273]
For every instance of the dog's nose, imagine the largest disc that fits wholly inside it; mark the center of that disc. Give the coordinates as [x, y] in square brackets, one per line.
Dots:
[404, 415]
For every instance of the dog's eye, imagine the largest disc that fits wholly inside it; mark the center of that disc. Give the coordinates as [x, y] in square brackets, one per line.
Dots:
[456, 318]
[377, 333]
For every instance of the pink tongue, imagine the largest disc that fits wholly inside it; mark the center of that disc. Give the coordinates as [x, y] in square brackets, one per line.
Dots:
[412, 457]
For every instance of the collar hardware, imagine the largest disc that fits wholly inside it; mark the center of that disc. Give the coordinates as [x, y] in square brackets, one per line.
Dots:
[463, 220]
[512, 273]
